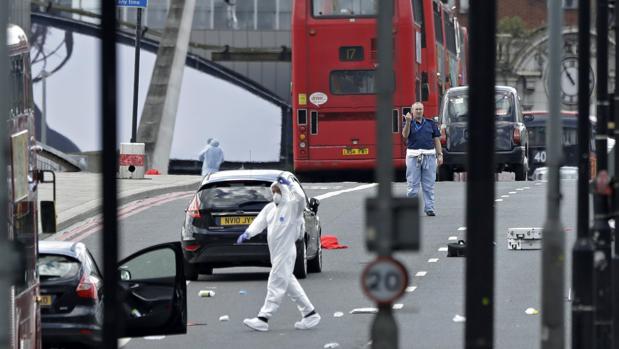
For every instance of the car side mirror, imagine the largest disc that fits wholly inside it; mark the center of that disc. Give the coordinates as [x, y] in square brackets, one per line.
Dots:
[313, 205]
[124, 273]
[529, 117]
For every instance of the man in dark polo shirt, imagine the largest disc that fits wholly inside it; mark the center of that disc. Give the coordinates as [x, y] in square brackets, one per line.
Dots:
[423, 152]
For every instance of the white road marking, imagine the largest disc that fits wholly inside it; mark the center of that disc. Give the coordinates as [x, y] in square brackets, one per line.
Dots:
[498, 200]
[410, 289]
[398, 306]
[421, 273]
[432, 260]
[461, 228]
[442, 249]
[335, 193]
[538, 183]
[520, 189]
[504, 196]
[526, 188]
[156, 338]
[453, 238]
[512, 192]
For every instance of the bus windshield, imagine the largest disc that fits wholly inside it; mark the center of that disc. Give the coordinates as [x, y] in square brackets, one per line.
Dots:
[457, 109]
[344, 8]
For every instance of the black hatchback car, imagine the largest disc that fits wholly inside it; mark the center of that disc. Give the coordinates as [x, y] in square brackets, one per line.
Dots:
[223, 207]
[511, 139]
[152, 294]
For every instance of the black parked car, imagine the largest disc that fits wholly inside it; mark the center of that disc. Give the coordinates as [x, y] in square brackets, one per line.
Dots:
[536, 127]
[223, 207]
[152, 298]
[511, 140]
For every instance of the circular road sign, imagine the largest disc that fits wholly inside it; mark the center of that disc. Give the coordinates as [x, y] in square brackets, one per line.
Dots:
[384, 280]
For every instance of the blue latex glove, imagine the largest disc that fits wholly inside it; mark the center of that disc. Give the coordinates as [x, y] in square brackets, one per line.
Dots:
[283, 180]
[242, 238]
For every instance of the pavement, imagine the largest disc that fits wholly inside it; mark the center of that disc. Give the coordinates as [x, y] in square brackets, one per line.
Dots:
[78, 194]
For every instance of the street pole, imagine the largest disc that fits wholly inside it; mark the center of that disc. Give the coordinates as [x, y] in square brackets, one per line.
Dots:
[601, 229]
[109, 165]
[136, 76]
[583, 277]
[44, 75]
[553, 253]
[384, 330]
[6, 269]
[479, 332]
[615, 265]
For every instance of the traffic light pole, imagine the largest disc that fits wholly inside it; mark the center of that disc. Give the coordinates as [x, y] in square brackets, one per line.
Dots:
[602, 192]
[553, 253]
[615, 265]
[109, 165]
[480, 219]
[384, 330]
[582, 253]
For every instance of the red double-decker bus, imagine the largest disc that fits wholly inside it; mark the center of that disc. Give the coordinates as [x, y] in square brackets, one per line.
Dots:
[333, 76]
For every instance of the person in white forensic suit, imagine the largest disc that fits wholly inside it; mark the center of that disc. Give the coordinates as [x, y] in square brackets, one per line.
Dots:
[212, 156]
[283, 219]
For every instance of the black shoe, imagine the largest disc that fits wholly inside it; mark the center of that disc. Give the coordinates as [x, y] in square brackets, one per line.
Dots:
[430, 213]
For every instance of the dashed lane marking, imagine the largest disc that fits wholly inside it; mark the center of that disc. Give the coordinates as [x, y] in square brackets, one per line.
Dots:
[453, 238]
[432, 260]
[461, 228]
[498, 200]
[421, 273]
[520, 189]
[411, 289]
[512, 192]
[442, 249]
[504, 196]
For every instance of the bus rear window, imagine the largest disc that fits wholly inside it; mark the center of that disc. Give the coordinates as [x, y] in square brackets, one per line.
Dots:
[351, 82]
[344, 8]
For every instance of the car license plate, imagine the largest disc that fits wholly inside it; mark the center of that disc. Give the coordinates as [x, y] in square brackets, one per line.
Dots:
[236, 220]
[355, 151]
[46, 301]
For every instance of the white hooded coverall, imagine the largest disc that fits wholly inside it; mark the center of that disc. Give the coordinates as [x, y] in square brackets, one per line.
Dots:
[212, 156]
[284, 224]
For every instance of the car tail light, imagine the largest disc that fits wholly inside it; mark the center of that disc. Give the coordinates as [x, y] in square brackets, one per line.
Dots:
[517, 136]
[443, 137]
[87, 288]
[194, 207]
[192, 247]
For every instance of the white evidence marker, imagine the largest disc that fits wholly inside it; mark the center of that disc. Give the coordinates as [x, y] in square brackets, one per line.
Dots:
[432, 260]
[421, 273]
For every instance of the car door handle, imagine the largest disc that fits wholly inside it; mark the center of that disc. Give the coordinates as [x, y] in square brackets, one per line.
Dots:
[134, 286]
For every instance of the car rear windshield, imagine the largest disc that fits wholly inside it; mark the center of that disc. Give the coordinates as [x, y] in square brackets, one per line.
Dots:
[457, 107]
[344, 8]
[57, 267]
[537, 136]
[235, 195]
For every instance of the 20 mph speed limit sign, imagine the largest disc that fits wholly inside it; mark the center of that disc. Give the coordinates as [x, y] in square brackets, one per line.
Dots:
[384, 280]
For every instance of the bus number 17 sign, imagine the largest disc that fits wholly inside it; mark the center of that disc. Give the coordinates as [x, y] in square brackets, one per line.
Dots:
[384, 280]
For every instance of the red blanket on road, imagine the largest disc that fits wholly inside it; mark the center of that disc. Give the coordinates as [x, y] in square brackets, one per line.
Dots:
[329, 242]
